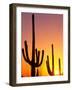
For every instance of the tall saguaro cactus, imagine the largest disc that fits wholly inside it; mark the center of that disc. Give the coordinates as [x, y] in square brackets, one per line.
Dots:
[48, 65]
[34, 62]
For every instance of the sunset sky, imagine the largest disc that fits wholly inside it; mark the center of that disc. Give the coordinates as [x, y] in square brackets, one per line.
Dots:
[48, 31]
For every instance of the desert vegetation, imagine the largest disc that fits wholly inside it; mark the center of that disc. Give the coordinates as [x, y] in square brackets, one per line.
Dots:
[35, 60]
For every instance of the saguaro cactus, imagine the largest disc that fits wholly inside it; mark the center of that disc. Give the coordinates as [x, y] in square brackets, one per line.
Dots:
[48, 65]
[59, 67]
[33, 62]
[51, 72]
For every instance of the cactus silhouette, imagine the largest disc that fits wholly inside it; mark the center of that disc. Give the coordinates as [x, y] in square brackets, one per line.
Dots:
[34, 62]
[48, 65]
[51, 72]
[60, 67]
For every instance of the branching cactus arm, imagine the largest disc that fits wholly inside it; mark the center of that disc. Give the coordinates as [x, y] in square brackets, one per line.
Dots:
[25, 55]
[37, 64]
[37, 56]
[26, 50]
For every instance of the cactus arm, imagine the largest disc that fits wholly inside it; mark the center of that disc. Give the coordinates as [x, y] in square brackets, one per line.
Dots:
[27, 60]
[41, 58]
[37, 57]
[37, 65]
[26, 57]
[26, 49]
[36, 53]
[48, 66]
[23, 54]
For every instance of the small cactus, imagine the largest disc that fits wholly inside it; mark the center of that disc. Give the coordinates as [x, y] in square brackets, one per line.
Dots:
[60, 68]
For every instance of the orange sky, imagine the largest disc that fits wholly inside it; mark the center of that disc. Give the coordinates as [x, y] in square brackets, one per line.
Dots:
[48, 31]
